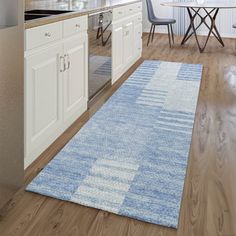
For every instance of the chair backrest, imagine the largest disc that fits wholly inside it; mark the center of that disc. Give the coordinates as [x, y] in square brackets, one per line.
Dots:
[150, 11]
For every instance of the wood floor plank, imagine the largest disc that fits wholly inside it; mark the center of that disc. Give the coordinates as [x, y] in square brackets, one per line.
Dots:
[209, 199]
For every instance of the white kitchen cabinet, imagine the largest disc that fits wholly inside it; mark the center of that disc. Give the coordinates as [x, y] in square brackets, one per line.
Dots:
[138, 40]
[128, 41]
[117, 48]
[56, 82]
[56, 72]
[43, 93]
[75, 83]
[126, 38]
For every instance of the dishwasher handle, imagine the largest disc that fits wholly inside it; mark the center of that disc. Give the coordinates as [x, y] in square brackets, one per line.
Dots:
[100, 12]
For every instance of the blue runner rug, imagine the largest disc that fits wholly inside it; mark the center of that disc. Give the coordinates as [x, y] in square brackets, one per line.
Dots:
[130, 158]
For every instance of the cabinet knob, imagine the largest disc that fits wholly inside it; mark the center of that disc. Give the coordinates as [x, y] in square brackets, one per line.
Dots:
[47, 34]
[77, 26]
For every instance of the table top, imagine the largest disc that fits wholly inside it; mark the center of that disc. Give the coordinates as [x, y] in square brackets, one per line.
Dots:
[196, 5]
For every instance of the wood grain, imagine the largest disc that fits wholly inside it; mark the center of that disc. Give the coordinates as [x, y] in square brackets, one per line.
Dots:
[209, 198]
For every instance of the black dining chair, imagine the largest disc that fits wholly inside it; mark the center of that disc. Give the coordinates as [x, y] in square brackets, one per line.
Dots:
[155, 21]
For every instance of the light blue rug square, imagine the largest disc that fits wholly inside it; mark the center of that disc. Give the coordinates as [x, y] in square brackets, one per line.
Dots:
[130, 158]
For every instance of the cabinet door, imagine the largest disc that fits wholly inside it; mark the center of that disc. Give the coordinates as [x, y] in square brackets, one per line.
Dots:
[128, 41]
[43, 104]
[117, 51]
[75, 81]
[138, 32]
[137, 40]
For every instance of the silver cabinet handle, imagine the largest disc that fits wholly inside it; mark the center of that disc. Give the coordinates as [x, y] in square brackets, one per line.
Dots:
[62, 64]
[67, 56]
[47, 34]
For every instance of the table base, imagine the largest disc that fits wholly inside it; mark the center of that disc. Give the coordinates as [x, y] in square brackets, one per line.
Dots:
[212, 14]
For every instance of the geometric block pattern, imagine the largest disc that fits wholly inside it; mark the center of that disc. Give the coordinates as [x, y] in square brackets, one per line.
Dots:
[130, 158]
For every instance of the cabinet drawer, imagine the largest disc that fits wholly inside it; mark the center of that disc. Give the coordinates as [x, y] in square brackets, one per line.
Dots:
[42, 35]
[138, 7]
[118, 13]
[138, 31]
[75, 25]
[138, 18]
[130, 9]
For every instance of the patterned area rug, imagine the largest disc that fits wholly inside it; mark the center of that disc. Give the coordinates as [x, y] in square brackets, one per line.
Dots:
[130, 158]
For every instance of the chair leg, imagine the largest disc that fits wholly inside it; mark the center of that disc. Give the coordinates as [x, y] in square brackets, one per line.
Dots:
[168, 27]
[149, 36]
[153, 31]
[173, 39]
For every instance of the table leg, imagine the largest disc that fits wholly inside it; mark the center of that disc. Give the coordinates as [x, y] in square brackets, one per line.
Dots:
[212, 28]
[213, 19]
[217, 35]
[193, 28]
[187, 36]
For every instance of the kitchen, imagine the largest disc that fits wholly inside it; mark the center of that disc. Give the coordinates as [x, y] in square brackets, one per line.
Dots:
[65, 65]
[44, 123]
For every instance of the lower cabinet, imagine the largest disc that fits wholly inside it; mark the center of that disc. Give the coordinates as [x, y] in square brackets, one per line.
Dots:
[56, 72]
[117, 50]
[56, 80]
[138, 40]
[126, 44]
[128, 38]
[75, 83]
[43, 99]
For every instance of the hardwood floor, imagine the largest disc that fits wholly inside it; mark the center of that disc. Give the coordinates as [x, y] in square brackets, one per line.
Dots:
[209, 199]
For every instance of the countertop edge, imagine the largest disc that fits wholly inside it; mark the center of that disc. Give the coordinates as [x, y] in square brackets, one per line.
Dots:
[56, 18]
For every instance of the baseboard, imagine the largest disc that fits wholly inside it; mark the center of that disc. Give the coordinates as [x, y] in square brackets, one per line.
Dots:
[158, 30]
[203, 33]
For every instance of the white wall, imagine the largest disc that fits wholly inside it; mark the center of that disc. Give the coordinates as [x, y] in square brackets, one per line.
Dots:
[225, 19]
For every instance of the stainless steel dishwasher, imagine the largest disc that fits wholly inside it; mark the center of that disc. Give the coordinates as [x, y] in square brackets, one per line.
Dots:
[99, 33]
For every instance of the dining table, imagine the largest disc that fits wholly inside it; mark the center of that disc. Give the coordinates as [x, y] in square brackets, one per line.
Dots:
[207, 12]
